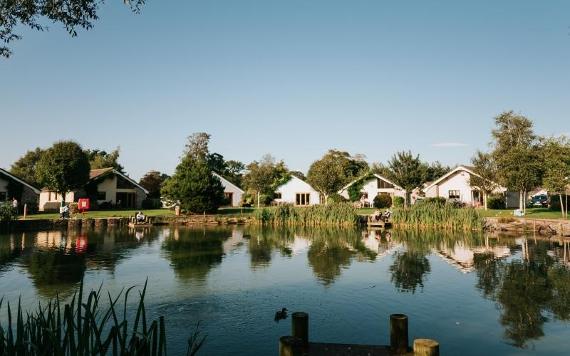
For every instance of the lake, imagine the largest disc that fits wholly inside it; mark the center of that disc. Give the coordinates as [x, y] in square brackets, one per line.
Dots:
[476, 294]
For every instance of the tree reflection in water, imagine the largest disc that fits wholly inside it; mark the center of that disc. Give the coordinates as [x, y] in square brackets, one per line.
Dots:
[527, 291]
[194, 252]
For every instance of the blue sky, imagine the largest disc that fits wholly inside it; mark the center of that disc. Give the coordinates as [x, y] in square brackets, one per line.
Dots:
[291, 78]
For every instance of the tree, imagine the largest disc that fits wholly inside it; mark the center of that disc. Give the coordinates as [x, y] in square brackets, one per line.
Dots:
[435, 170]
[101, 159]
[63, 167]
[232, 170]
[193, 185]
[555, 154]
[152, 181]
[486, 174]
[334, 170]
[72, 14]
[407, 171]
[515, 153]
[25, 167]
[265, 176]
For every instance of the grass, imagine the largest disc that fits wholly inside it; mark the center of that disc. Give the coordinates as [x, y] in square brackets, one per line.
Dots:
[105, 214]
[436, 215]
[338, 214]
[531, 213]
[83, 327]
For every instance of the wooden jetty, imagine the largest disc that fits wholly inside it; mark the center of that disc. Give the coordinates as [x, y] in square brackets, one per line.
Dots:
[134, 223]
[298, 344]
[372, 221]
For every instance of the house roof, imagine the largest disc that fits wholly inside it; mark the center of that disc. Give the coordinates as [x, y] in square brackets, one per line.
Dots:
[227, 181]
[375, 175]
[11, 176]
[297, 178]
[98, 173]
[468, 169]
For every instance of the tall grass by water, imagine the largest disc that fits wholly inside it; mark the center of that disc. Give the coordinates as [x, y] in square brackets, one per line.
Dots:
[337, 214]
[83, 327]
[438, 215]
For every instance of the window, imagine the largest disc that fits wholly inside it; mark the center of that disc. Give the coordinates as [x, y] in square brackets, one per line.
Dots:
[3, 196]
[454, 194]
[382, 184]
[229, 196]
[278, 195]
[302, 198]
[101, 195]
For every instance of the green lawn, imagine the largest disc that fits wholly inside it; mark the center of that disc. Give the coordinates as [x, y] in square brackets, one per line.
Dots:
[106, 214]
[531, 213]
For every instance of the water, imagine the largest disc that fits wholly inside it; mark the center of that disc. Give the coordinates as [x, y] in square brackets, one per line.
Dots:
[474, 294]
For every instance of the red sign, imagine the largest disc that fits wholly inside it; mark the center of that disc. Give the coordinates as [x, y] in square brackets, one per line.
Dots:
[83, 204]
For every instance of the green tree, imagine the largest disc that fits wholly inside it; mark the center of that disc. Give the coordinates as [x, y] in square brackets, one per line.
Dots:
[152, 181]
[72, 14]
[435, 170]
[486, 174]
[101, 159]
[264, 176]
[63, 167]
[334, 170]
[193, 185]
[407, 171]
[25, 167]
[555, 154]
[515, 154]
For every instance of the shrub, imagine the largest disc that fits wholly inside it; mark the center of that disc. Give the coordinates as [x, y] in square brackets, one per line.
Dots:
[337, 198]
[496, 202]
[435, 200]
[7, 212]
[73, 208]
[555, 202]
[151, 203]
[382, 201]
[398, 202]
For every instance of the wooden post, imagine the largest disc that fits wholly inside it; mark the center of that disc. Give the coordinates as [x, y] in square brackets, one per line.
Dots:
[426, 347]
[300, 326]
[399, 333]
[290, 346]
[25, 210]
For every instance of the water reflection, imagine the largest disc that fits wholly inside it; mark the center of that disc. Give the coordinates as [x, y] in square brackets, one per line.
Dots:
[529, 290]
[194, 252]
[527, 279]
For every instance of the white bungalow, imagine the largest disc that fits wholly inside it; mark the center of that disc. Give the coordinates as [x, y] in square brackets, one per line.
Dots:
[373, 186]
[232, 192]
[297, 192]
[455, 185]
[105, 186]
[26, 193]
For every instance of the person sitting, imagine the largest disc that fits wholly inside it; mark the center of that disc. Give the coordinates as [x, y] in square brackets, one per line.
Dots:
[140, 217]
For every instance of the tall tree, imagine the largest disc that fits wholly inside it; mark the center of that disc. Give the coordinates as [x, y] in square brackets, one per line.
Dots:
[72, 14]
[335, 169]
[101, 159]
[264, 176]
[555, 154]
[486, 169]
[407, 171]
[25, 167]
[435, 170]
[63, 167]
[515, 153]
[153, 181]
[193, 185]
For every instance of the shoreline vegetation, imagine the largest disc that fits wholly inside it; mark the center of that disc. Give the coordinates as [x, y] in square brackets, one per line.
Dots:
[89, 325]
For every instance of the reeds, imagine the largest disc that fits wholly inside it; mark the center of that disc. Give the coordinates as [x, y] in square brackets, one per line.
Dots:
[335, 214]
[81, 327]
[437, 215]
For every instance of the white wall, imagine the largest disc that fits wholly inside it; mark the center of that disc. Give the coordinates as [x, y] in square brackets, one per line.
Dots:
[295, 185]
[50, 197]
[371, 188]
[236, 192]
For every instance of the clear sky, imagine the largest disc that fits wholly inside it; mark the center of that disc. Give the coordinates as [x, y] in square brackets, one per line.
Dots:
[291, 78]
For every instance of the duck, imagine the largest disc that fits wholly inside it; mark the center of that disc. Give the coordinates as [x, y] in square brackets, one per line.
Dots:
[281, 315]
